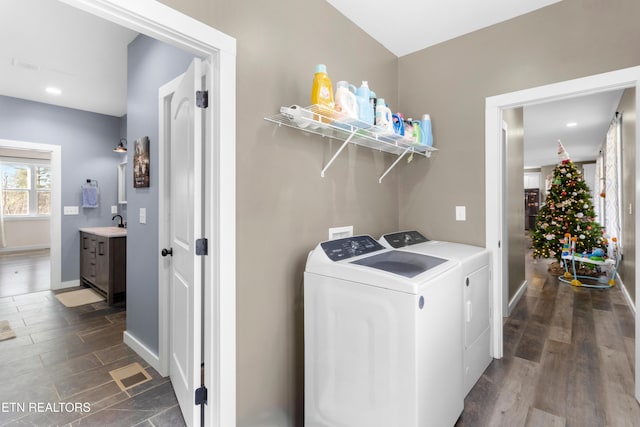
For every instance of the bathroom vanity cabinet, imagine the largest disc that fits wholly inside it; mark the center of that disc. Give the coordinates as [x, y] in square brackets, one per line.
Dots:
[103, 261]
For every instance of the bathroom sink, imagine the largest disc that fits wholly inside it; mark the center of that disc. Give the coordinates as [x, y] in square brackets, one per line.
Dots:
[106, 231]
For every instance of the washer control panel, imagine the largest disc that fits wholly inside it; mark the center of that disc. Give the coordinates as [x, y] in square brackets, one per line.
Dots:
[404, 238]
[350, 247]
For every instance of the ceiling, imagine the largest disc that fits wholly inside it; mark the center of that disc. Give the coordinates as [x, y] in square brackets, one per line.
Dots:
[53, 44]
[47, 43]
[406, 26]
[545, 124]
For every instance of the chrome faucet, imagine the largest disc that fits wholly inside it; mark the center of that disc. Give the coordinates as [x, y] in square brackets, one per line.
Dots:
[121, 224]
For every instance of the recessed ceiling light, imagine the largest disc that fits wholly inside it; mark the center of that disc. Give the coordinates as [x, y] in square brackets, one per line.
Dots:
[572, 124]
[53, 90]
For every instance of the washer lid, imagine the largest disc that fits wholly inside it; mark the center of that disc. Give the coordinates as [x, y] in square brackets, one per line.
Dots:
[407, 264]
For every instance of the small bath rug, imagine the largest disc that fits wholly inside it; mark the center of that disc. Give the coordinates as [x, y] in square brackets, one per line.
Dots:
[6, 333]
[80, 297]
[130, 376]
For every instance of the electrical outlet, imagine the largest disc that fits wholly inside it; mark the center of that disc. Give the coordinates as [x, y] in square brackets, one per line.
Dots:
[114, 209]
[71, 210]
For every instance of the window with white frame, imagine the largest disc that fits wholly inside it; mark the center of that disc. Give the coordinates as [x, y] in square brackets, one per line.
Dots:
[25, 187]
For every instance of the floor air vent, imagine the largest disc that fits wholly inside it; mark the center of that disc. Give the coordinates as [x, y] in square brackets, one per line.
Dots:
[130, 376]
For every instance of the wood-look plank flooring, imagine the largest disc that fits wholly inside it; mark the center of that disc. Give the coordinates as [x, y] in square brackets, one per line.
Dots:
[568, 361]
[65, 354]
[24, 272]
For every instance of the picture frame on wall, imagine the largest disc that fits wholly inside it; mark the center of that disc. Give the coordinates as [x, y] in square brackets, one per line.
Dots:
[141, 162]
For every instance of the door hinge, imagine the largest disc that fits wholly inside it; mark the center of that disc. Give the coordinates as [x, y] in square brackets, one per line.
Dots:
[202, 246]
[202, 98]
[201, 395]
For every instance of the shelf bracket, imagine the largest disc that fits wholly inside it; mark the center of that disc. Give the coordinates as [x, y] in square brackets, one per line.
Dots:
[344, 144]
[394, 164]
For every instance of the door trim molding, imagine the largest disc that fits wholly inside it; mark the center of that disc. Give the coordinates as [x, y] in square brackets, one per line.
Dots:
[159, 21]
[55, 218]
[494, 174]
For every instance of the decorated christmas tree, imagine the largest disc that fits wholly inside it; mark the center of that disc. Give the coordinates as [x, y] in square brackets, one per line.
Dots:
[568, 209]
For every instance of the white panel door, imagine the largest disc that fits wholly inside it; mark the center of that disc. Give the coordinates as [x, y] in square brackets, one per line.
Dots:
[186, 226]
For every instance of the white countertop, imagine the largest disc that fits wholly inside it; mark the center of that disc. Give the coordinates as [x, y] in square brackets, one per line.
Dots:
[106, 231]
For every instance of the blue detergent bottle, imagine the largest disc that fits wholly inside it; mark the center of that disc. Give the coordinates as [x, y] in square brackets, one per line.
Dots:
[398, 124]
[427, 133]
[365, 110]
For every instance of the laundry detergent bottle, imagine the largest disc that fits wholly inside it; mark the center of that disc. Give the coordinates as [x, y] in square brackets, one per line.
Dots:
[427, 133]
[346, 101]
[398, 124]
[365, 110]
[384, 119]
[322, 91]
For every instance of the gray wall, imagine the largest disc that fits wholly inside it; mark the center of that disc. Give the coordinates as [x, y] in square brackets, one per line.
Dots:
[87, 140]
[150, 64]
[284, 207]
[515, 198]
[628, 268]
[569, 39]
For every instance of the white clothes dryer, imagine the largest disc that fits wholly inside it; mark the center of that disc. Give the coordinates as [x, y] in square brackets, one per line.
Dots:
[383, 337]
[476, 284]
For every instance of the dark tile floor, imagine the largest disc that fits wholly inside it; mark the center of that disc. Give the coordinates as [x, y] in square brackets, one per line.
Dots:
[56, 371]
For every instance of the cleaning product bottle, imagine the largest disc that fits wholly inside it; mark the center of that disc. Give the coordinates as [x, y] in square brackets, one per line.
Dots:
[384, 120]
[417, 132]
[398, 124]
[373, 100]
[346, 101]
[322, 91]
[408, 130]
[365, 111]
[427, 134]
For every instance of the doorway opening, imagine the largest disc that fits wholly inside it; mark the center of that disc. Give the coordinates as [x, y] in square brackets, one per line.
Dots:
[162, 23]
[495, 174]
[54, 152]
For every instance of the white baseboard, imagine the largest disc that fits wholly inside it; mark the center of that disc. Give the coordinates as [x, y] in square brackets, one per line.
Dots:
[65, 285]
[517, 296]
[24, 248]
[143, 351]
[623, 288]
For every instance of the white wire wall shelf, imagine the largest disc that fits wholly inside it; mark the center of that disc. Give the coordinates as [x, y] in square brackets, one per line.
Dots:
[328, 123]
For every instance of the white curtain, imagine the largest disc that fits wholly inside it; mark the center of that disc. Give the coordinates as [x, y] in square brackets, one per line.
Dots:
[598, 188]
[612, 173]
[3, 242]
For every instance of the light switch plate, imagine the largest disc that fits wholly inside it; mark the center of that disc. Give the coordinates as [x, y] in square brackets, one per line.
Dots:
[461, 213]
[70, 210]
[143, 215]
[114, 209]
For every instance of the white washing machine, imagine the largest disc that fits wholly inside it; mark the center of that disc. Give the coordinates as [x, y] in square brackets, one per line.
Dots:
[476, 282]
[383, 337]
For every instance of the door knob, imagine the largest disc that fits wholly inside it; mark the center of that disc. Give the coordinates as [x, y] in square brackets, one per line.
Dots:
[166, 252]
